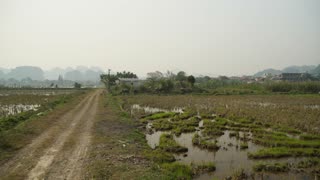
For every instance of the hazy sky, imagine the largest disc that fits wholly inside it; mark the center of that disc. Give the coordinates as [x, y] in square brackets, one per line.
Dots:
[230, 37]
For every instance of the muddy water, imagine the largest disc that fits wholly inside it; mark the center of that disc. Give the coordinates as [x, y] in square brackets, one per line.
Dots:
[227, 159]
[153, 139]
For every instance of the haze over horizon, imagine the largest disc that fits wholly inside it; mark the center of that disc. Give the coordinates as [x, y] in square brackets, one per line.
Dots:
[200, 37]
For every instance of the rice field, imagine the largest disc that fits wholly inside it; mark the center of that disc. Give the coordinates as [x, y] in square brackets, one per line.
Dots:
[296, 111]
[262, 137]
[18, 105]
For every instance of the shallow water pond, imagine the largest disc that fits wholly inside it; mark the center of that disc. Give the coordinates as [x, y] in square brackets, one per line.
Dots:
[227, 159]
[232, 154]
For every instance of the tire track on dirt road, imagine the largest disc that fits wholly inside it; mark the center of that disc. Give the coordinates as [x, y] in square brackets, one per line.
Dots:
[35, 160]
[69, 163]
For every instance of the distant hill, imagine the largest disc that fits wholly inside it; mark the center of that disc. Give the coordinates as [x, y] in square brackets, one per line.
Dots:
[2, 75]
[291, 69]
[54, 73]
[80, 73]
[298, 69]
[268, 71]
[4, 70]
[23, 72]
[316, 71]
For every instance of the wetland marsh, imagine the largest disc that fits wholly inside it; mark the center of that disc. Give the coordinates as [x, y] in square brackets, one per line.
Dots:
[236, 145]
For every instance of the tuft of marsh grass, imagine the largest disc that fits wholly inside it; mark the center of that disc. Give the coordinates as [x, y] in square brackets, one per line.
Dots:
[159, 156]
[161, 115]
[309, 137]
[199, 141]
[244, 145]
[203, 168]
[308, 163]
[270, 167]
[177, 171]
[279, 152]
[168, 144]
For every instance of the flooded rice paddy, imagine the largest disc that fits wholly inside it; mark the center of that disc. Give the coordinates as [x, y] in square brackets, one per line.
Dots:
[44, 91]
[12, 109]
[231, 156]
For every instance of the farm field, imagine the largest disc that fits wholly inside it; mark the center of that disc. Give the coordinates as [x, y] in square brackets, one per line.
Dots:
[15, 101]
[267, 136]
[22, 114]
[36, 91]
[95, 135]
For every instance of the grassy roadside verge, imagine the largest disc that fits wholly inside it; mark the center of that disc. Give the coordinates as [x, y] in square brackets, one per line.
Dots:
[17, 135]
[117, 147]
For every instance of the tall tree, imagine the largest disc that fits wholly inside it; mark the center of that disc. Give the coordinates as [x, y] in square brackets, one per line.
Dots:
[191, 80]
[181, 76]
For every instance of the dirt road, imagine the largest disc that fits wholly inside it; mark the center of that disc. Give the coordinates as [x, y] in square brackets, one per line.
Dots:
[60, 151]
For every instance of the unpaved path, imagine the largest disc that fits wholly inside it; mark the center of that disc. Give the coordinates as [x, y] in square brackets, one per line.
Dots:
[59, 152]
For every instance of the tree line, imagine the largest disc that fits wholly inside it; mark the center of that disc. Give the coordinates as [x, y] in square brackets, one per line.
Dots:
[180, 83]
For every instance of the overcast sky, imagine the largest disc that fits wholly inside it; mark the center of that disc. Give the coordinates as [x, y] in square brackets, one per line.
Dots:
[228, 37]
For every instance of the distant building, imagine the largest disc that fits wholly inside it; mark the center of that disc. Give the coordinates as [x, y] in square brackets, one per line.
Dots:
[294, 76]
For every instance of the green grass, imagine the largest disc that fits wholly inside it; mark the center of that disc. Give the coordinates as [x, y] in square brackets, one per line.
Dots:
[184, 172]
[104, 152]
[177, 171]
[159, 156]
[285, 152]
[286, 142]
[183, 129]
[244, 145]
[168, 144]
[203, 168]
[308, 163]
[177, 126]
[206, 115]
[287, 130]
[162, 125]
[185, 115]
[309, 137]
[18, 130]
[233, 134]
[244, 121]
[7, 123]
[160, 115]
[212, 132]
[268, 167]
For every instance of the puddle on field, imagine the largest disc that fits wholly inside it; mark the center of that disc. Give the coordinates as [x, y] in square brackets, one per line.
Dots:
[227, 159]
[13, 109]
[151, 110]
[313, 107]
[153, 139]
